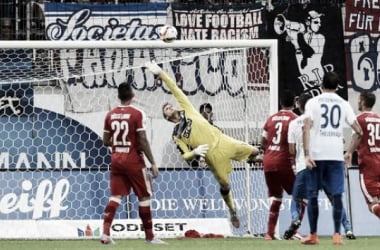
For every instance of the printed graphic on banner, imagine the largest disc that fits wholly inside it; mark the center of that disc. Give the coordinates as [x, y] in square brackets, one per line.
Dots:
[78, 22]
[88, 231]
[16, 100]
[32, 138]
[309, 45]
[200, 22]
[94, 73]
[362, 36]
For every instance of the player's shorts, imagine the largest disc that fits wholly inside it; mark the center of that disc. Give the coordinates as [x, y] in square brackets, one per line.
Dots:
[300, 184]
[328, 175]
[278, 181]
[137, 179]
[370, 186]
[219, 157]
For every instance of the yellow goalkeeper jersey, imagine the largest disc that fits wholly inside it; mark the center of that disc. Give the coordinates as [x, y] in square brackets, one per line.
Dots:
[193, 129]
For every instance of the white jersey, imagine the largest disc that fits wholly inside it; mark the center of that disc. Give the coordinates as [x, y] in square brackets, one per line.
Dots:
[295, 137]
[329, 114]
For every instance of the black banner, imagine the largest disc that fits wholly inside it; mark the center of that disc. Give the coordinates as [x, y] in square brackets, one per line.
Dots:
[211, 22]
[310, 44]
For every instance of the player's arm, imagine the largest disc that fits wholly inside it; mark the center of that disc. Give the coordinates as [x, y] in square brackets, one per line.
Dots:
[188, 154]
[355, 140]
[292, 143]
[264, 140]
[170, 83]
[144, 143]
[107, 139]
[306, 142]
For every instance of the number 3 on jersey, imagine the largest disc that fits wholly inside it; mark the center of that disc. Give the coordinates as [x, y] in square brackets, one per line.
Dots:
[276, 139]
[374, 133]
[119, 137]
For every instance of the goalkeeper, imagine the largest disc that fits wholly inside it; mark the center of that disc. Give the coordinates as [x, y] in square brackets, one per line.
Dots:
[193, 131]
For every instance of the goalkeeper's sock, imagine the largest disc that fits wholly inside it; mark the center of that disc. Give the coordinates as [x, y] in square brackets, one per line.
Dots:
[109, 214]
[273, 216]
[376, 210]
[227, 197]
[146, 218]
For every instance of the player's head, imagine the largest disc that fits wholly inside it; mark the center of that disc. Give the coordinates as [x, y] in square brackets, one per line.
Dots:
[125, 92]
[302, 99]
[169, 111]
[366, 101]
[287, 99]
[330, 81]
[206, 111]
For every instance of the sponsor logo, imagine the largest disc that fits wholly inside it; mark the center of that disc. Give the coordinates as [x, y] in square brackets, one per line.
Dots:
[88, 232]
[47, 199]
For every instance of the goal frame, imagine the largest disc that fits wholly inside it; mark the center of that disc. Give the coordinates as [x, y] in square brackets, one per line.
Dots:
[268, 43]
[265, 43]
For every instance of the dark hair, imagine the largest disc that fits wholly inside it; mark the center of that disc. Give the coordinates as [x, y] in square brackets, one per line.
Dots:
[330, 80]
[204, 106]
[125, 92]
[303, 98]
[287, 98]
[369, 99]
[163, 110]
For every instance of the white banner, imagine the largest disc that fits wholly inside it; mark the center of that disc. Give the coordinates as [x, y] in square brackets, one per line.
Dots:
[122, 229]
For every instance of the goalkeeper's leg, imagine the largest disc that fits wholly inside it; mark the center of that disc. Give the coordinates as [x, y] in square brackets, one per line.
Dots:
[226, 193]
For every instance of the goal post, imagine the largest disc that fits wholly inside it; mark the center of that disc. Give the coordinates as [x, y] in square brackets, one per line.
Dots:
[54, 97]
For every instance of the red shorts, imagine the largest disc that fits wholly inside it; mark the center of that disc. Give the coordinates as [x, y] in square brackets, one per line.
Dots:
[278, 181]
[370, 186]
[137, 179]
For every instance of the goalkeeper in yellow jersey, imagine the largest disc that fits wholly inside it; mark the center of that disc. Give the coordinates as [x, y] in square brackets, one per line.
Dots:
[196, 137]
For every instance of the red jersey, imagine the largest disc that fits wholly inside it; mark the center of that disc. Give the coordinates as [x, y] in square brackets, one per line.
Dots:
[123, 123]
[276, 152]
[369, 146]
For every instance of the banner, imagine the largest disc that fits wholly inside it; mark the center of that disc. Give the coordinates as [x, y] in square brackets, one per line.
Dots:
[91, 75]
[121, 229]
[362, 41]
[310, 44]
[235, 21]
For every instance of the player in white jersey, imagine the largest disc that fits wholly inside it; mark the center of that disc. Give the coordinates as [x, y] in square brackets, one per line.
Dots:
[299, 194]
[325, 118]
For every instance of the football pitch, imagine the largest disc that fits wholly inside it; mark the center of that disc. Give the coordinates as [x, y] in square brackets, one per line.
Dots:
[362, 243]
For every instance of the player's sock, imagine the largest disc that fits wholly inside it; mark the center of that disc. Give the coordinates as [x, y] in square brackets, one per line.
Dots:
[295, 209]
[227, 197]
[109, 214]
[376, 210]
[273, 216]
[303, 208]
[146, 218]
[337, 211]
[313, 213]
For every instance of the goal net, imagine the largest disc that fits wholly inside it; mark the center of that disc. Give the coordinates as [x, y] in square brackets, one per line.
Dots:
[55, 169]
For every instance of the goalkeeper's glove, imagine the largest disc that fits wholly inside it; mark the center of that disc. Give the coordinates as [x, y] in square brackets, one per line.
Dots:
[153, 67]
[201, 150]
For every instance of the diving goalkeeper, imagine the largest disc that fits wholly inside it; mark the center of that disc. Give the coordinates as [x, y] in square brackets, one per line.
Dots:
[197, 138]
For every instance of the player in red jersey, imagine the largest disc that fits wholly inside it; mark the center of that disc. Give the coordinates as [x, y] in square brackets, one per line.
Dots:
[277, 160]
[368, 148]
[124, 131]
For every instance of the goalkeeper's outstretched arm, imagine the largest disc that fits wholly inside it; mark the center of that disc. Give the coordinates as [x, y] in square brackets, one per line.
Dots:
[177, 92]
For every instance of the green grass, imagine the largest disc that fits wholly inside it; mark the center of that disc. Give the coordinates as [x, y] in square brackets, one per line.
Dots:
[361, 243]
